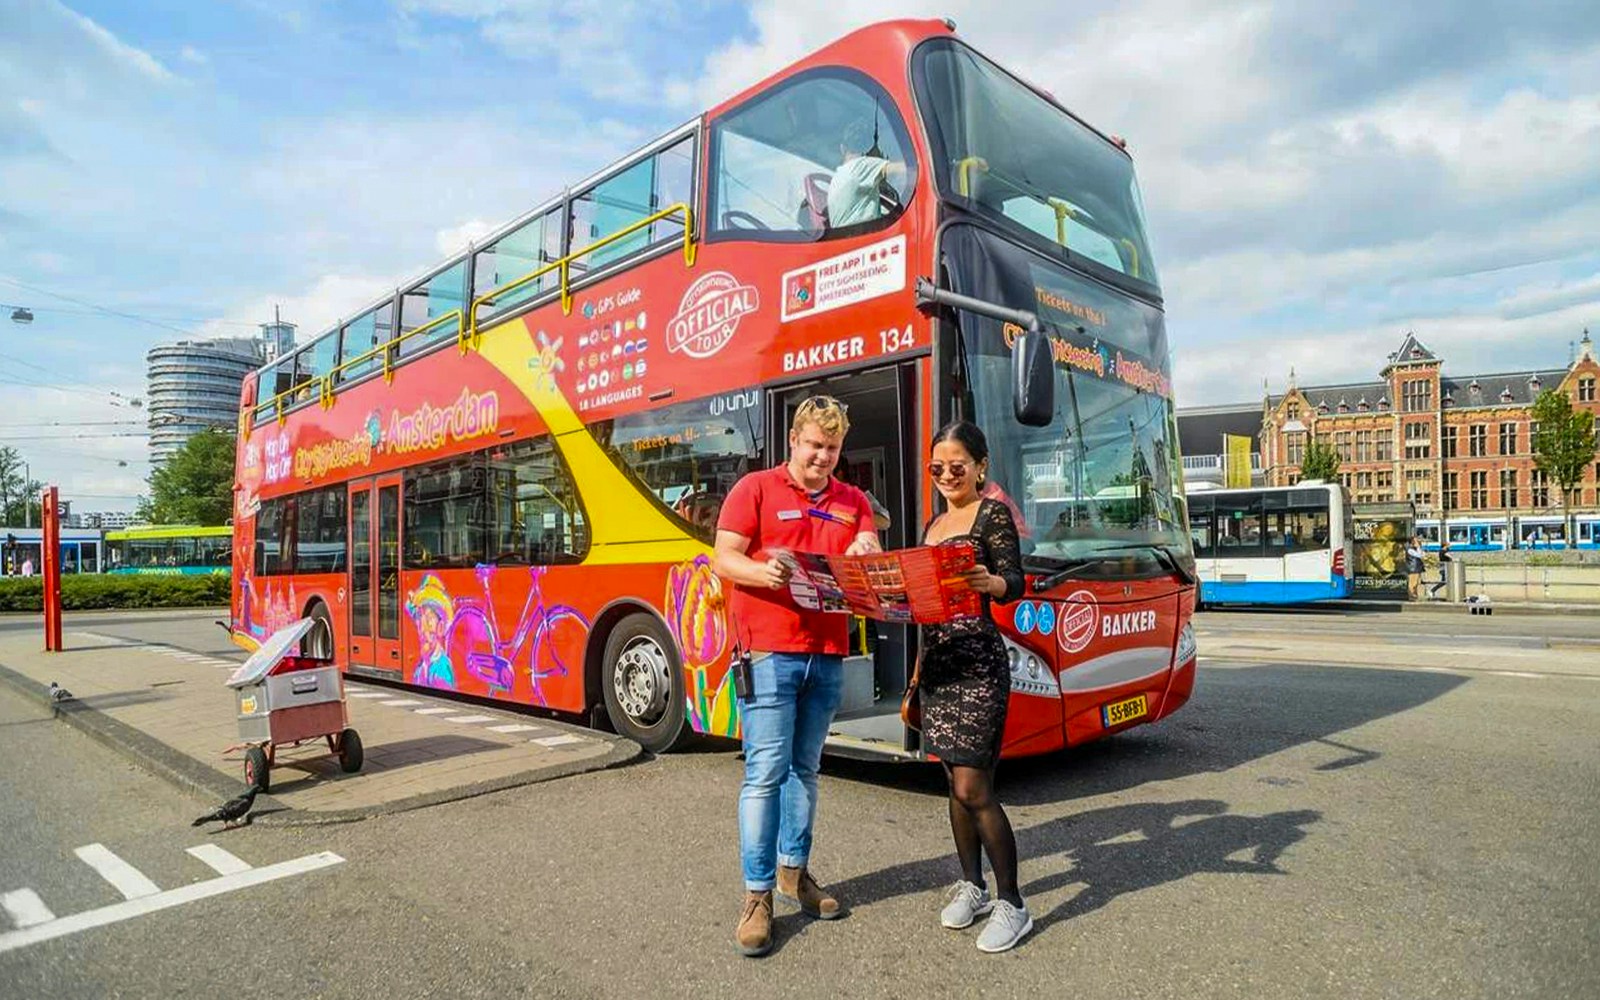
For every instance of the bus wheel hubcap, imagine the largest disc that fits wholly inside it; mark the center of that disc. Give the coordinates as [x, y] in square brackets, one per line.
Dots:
[641, 682]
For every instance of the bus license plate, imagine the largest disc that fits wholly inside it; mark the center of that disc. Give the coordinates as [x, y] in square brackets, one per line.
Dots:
[1118, 712]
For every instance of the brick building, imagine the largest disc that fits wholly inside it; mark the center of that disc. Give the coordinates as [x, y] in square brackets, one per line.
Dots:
[1450, 445]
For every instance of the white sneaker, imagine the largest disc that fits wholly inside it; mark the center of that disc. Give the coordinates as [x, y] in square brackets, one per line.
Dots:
[968, 902]
[1005, 927]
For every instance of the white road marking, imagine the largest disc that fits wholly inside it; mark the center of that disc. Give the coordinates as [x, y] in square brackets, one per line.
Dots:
[367, 694]
[515, 727]
[558, 741]
[436, 711]
[221, 861]
[127, 879]
[470, 719]
[1518, 673]
[114, 640]
[401, 702]
[26, 908]
[1435, 670]
[116, 912]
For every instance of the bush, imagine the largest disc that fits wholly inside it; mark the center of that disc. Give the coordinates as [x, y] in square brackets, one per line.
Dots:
[118, 590]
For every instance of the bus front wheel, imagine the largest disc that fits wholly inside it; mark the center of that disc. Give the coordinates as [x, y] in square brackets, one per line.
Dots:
[643, 684]
[318, 642]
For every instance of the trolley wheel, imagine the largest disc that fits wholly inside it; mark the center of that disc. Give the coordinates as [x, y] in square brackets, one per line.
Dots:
[350, 753]
[643, 685]
[257, 769]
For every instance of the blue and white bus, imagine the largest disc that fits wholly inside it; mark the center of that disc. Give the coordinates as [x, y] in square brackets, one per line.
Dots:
[1272, 544]
[21, 551]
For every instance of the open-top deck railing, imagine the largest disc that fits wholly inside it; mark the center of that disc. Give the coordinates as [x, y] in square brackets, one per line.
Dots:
[468, 329]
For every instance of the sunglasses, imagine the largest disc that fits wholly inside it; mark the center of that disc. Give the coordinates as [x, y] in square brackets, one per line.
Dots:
[958, 470]
[823, 402]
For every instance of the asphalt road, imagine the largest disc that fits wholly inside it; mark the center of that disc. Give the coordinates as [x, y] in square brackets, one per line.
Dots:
[1297, 830]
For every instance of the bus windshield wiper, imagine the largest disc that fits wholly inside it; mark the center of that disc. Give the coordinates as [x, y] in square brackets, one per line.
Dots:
[1163, 554]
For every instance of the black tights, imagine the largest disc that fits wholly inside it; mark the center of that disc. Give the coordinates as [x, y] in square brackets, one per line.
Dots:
[977, 821]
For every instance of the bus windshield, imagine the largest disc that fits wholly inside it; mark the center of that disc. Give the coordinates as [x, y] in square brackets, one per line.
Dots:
[1008, 152]
[1103, 477]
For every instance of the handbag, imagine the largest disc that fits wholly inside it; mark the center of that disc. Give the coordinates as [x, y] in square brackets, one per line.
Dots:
[911, 702]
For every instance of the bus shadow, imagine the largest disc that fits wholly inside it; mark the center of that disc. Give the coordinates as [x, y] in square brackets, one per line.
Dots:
[1112, 852]
[1234, 717]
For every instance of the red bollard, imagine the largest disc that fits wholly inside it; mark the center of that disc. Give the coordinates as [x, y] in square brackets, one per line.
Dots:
[50, 544]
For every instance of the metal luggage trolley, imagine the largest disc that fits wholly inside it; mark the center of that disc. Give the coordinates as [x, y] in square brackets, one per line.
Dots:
[286, 700]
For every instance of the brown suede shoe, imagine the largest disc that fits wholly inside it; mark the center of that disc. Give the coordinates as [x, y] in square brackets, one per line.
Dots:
[754, 932]
[798, 885]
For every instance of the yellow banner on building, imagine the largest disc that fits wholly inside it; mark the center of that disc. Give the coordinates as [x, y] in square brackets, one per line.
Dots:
[1237, 447]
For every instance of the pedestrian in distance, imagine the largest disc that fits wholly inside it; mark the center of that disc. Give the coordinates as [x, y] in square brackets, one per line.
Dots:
[790, 658]
[1414, 566]
[964, 683]
[1445, 560]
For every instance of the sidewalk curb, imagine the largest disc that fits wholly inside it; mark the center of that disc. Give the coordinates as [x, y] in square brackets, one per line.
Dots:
[209, 784]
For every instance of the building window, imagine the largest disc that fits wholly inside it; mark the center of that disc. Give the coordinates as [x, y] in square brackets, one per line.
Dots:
[1508, 488]
[1449, 441]
[1508, 439]
[1478, 440]
[1364, 480]
[1296, 446]
[1385, 445]
[1539, 487]
[1418, 450]
[1585, 390]
[1480, 490]
[1386, 480]
[1363, 446]
[1341, 443]
[1293, 409]
[1417, 396]
[1452, 490]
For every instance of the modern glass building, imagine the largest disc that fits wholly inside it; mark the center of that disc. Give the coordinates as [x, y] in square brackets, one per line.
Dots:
[194, 384]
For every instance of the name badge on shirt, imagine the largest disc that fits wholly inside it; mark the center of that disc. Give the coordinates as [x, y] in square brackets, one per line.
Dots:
[789, 515]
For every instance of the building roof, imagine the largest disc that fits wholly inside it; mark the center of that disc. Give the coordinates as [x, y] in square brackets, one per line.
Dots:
[1509, 389]
[1200, 428]
[1412, 351]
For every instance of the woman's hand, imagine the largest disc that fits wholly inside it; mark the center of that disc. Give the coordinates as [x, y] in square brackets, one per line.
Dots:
[980, 579]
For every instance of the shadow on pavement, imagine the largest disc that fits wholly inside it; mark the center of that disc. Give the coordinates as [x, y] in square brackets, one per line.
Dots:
[1114, 851]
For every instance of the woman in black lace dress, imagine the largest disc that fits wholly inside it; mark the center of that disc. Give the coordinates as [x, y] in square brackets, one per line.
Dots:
[965, 686]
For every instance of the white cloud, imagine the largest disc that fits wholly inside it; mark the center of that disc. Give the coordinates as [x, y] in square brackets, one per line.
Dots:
[136, 59]
[312, 308]
[190, 54]
[453, 239]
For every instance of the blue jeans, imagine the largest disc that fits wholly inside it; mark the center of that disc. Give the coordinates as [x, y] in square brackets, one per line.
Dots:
[785, 722]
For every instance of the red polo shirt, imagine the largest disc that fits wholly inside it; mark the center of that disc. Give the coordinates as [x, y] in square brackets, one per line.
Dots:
[775, 512]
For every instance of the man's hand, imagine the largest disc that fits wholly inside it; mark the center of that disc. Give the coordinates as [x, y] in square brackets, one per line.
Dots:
[865, 543]
[773, 574]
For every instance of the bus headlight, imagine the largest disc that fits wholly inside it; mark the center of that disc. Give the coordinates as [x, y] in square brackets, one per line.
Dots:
[1029, 675]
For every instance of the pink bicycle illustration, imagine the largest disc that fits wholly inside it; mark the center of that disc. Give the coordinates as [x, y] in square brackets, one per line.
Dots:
[491, 656]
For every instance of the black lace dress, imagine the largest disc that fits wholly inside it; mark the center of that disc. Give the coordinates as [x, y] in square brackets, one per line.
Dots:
[966, 678]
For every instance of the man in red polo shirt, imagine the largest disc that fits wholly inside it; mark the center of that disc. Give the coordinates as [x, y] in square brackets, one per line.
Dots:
[798, 654]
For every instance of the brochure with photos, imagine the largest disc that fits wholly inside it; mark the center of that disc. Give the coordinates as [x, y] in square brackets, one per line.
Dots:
[923, 585]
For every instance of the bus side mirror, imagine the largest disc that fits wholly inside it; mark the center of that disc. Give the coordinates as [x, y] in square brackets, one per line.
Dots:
[1033, 380]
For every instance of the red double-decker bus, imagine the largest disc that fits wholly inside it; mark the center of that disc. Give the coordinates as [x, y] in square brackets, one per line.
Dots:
[503, 480]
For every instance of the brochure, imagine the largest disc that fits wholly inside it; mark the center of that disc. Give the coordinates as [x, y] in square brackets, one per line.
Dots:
[923, 585]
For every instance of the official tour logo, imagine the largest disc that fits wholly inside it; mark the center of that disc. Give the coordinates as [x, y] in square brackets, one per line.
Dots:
[1080, 617]
[709, 314]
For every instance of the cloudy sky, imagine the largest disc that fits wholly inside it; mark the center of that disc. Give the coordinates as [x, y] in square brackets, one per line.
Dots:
[1320, 176]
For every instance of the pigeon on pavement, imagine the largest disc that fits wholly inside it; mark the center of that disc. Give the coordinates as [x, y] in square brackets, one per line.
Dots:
[59, 693]
[231, 811]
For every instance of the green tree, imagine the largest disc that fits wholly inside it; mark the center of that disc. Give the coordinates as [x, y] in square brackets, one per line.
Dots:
[1564, 446]
[195, 486]
[1321, 462]
[19, 494]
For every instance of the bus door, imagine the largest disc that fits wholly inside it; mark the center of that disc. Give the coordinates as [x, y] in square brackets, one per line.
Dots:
[375, 574]
[880, 456]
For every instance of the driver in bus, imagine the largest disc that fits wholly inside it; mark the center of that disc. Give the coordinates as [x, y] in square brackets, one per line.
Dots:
[853, 193]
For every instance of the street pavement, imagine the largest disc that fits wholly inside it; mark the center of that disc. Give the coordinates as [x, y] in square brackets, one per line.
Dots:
[1378, 829]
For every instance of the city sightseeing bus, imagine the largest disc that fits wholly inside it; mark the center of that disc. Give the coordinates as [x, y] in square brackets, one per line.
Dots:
[169, 549]
[503, 480]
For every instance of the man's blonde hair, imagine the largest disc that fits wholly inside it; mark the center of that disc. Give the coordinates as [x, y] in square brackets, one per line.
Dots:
[824, 411]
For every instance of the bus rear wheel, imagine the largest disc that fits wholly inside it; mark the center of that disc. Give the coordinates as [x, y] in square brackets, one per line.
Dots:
[643, 684]
[318, 642]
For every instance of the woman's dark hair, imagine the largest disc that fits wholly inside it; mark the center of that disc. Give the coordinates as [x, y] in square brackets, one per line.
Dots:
[967, 435]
